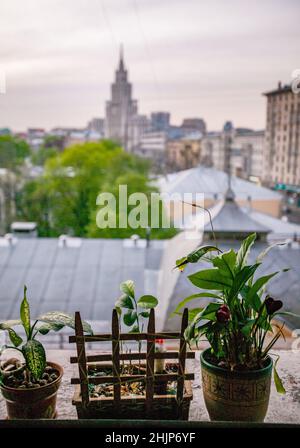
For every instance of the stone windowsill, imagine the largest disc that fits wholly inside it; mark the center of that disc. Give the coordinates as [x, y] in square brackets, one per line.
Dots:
[282, 408]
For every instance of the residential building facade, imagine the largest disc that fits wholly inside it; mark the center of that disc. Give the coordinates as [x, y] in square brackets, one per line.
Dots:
[183, 154]
[246, 152]
[282, 142]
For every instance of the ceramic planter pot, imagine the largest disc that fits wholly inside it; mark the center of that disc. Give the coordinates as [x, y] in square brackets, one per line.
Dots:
[235, 396]
[37, 403]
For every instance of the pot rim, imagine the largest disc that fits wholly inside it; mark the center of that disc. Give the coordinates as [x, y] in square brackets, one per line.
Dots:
[242, 373]
[24, 391]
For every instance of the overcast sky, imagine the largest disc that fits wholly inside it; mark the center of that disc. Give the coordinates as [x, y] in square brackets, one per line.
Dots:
[194, 58]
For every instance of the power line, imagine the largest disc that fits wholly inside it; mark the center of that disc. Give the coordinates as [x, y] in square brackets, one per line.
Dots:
[108, 23]
[147, 48]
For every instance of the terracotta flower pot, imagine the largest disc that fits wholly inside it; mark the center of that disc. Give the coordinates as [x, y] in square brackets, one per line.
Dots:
[36, 403]
[235, 396]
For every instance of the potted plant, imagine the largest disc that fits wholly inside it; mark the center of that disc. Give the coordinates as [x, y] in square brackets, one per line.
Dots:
[137, 383]
[237, 368]
[30, 386]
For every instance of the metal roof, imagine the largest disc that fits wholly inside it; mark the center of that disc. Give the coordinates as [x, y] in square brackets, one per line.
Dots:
[232, 219]
[210, 182]
[71, 278]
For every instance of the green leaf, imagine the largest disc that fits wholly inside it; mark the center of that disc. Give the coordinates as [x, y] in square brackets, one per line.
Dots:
[127, 288]
[64, 319]
[255, 301]
[25, 314]
[210, 279]
[244, 250]
[181, 263]
[209, 312]
[194, 297]
[14, 337]
[252, 296]
[241, 279]
[194, 312]
[35, 357]
[246, 329]
[144, 314]
[119, 310]
[125, 302]
[9, 324]
[135, 329]
[277, 380]
[226, 263]
[195, 256]
[45, 328]
[147, 301]
[130, 318]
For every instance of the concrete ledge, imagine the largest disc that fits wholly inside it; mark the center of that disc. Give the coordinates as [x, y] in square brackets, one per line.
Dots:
[283, 409]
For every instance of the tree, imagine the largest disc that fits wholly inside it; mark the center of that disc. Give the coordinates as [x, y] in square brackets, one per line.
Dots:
[13, 152]
[43, 154]
[63, 201]
[135, 183]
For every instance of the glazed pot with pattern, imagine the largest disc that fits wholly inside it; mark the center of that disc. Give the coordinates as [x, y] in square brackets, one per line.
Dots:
[235, 395]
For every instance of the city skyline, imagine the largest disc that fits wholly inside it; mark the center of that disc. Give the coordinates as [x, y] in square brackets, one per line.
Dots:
[194, 59]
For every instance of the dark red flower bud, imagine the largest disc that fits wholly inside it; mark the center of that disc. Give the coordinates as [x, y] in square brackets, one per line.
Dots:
[223, 314]
[272, 305]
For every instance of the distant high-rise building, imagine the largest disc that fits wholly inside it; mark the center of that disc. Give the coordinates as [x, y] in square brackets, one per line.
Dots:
[160, 121]
[96, 125]
[282, 140]
[121, 109]
[194, 124]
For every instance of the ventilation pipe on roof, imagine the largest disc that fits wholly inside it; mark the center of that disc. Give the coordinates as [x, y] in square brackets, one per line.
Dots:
[249, 199]
[134, 238]
[10, 239]
[62, 241]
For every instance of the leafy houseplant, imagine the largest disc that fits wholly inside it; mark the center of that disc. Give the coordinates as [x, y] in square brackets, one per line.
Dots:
[236, 369]
[30, 387]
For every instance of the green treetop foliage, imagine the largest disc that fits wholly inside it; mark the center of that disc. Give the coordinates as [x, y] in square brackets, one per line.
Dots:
[43, 154]
[13, 152]
[64, 199]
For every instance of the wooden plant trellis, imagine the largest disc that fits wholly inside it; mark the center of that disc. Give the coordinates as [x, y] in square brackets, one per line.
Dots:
[150, 405]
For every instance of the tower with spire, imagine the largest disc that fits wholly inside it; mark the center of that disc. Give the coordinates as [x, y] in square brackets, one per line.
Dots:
[121, 109]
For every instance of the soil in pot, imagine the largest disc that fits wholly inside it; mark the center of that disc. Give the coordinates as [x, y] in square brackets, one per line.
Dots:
[29, 398]
[239, 395]
[134, 388]
[132, 405]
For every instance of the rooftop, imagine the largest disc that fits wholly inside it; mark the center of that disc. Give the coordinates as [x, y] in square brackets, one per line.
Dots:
[280, 89]
[211, 182]
[75, 277]
[231, 219]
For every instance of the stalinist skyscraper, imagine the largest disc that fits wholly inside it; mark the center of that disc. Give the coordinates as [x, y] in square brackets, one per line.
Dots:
[121, 110]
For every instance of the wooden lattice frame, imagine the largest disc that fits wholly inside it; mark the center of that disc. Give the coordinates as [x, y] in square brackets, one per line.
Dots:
[115, 357]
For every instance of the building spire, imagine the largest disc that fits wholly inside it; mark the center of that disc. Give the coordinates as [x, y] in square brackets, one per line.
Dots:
[121, 62]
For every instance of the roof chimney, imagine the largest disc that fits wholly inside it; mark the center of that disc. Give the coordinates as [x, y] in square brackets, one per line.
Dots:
[279, 85]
